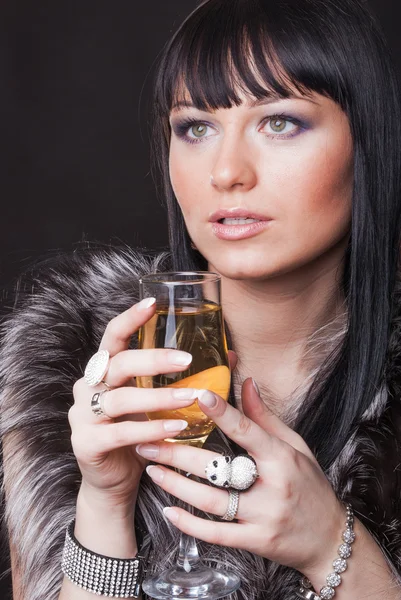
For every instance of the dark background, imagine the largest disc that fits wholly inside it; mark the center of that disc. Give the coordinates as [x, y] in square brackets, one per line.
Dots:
[77, 93]
[76, 98]
[75, 104]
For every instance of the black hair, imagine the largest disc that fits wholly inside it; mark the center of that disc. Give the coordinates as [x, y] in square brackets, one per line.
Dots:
[337, 49]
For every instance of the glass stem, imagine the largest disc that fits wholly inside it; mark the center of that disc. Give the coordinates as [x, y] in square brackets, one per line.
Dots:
[188, 555]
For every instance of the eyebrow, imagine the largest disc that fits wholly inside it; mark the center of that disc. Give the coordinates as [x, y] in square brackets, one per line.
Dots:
[252, 104]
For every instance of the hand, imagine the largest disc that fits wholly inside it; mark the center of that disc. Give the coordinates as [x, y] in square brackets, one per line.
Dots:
[104, 446]
[291, 514]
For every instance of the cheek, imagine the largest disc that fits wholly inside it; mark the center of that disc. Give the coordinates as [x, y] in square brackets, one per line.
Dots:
[318, 197]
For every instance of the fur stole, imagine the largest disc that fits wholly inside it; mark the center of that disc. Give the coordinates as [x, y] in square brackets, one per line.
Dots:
[60, 314]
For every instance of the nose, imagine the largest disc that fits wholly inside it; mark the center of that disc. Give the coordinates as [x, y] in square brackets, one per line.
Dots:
[233, 167]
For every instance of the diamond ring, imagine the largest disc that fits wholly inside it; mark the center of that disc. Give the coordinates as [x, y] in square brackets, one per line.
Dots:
[238, 474]
[232, 508]
[97, 368]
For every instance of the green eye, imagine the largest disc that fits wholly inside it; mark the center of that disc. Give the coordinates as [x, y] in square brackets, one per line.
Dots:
[199, 130]
[278, 125]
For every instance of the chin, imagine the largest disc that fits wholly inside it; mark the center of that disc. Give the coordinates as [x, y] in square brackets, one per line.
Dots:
[244, 268]
[267, 262]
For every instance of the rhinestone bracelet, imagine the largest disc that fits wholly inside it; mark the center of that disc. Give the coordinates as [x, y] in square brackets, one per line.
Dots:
[98, 574]
[333, 580]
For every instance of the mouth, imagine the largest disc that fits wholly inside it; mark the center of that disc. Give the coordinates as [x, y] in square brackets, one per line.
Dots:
[237, 216]
[238, 221]
[239, 229]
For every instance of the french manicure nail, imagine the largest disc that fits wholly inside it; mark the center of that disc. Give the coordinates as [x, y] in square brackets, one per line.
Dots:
[171, 514]
[255, 385]
[147, 450]
[155, 473]
[145, 303]
[208, 398]
[175, 425]
[185, 394]
[181, 359]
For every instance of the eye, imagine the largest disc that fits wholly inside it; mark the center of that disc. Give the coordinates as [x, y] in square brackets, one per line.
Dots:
[281, 126]
[278, 125]
[192, 130]
[199, 130]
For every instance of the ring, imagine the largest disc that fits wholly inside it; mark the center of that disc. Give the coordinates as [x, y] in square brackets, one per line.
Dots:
[232, 508]
[238, 474]
[97, 368]
[97, 404]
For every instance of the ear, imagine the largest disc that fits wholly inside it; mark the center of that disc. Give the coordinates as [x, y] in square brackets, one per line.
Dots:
[233, 359]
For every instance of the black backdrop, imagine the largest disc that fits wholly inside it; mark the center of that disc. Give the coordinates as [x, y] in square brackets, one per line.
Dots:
[76, 94]
[75, 102]
[77, 97]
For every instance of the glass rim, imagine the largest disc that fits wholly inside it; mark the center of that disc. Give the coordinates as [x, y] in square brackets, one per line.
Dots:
[204, 277]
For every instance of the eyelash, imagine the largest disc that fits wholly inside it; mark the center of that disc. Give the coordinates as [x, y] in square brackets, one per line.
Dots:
[181, 129]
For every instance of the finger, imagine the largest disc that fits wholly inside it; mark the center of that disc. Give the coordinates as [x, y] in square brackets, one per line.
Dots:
[238, 427]
[111, 436]
[211, 500]
[186, 458]
[221, 534]
[140, 363]
[129, 401]
[81, 411]
[256, 410]
[119, 330]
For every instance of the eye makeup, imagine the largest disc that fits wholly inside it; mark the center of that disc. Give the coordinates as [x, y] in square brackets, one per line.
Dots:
[181, 127]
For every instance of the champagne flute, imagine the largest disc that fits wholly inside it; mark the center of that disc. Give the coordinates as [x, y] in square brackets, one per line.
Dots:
[188, 317]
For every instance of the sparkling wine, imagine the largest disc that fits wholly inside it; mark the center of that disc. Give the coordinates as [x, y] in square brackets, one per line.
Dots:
[195, 327]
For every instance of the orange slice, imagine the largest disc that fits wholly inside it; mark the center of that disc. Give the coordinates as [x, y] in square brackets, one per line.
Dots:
[216, 379]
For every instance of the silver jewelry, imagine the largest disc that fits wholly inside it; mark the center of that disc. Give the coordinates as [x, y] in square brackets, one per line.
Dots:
[333, 580]
[97, 368]
[97, 405]
[232, 508]
[98, 574]
[239, 473]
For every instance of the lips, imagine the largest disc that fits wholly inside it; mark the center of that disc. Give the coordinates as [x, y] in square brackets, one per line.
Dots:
[237, 213]
[239, 232]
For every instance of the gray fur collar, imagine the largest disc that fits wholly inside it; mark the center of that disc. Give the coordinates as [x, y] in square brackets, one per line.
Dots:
[60, 315]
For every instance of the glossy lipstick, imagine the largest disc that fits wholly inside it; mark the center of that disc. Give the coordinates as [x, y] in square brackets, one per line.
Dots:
[240, 231]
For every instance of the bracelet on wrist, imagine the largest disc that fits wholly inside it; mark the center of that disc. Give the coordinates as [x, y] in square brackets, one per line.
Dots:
[333, 580]
[101, 575]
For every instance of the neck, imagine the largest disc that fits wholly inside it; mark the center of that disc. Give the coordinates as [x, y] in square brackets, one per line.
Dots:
[283, 328]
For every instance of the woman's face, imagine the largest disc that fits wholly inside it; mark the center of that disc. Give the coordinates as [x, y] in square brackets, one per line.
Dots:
[287, 160]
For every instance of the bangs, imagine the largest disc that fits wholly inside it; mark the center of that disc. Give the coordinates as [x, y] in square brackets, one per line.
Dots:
[250, 47]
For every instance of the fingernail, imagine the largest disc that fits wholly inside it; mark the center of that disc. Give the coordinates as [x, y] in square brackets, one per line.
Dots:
[145, 303]
[208, 398]
[181, 359]
[171, 514]
[147, 450]
[155, 473]
[255, 385]
[173, 425]
[185, 394]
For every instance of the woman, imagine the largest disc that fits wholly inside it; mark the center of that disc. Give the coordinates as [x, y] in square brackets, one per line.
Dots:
[286, 112]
